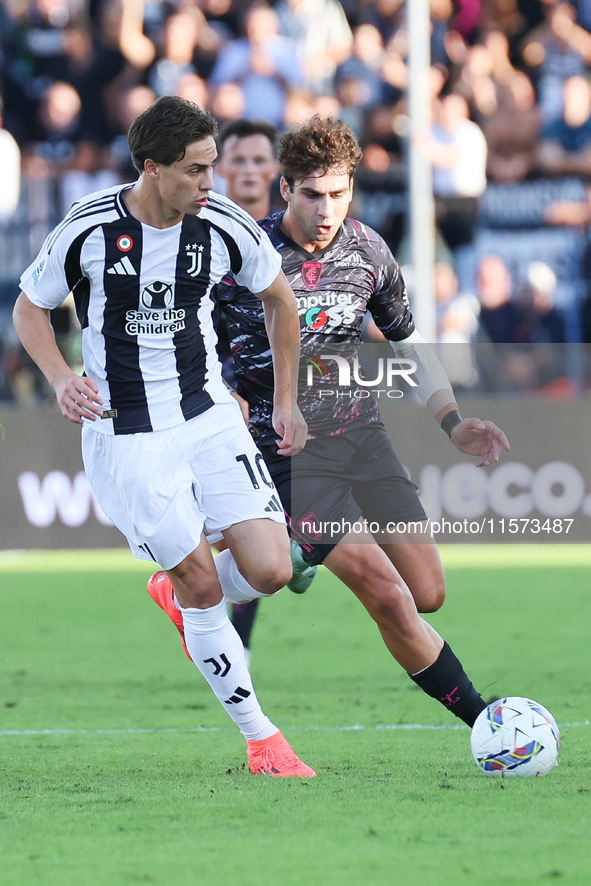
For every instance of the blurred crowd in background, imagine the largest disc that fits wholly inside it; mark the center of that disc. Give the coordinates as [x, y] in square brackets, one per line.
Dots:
[510, 143]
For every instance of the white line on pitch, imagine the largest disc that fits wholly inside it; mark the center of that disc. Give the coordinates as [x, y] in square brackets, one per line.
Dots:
[357, 728]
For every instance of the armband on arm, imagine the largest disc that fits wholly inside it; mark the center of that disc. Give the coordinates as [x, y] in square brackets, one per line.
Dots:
[450, 420]
[433, 386]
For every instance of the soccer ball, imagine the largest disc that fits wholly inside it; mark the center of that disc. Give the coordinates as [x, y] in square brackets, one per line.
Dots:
[515, 736]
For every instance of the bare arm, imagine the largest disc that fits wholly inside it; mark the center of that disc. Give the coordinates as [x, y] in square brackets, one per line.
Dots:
[283, 329]
[471, 436]
[77, 396]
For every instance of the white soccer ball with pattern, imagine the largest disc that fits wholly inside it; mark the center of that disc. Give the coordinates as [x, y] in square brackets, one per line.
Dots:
[515, 737]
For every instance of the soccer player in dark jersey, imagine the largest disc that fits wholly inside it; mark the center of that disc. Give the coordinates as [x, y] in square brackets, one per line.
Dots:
[164, 443]
[339, 269]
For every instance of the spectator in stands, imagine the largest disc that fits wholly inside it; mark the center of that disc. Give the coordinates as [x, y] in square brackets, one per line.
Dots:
[457, 313]
[457, 325]
[228, 102]
[485, 75]
[473, 79]
[322, 36]
[458, 153]
[61, 154]
[179, 39]
[504, 358]
[501, 320]
[263, 63]
[131, 102]
[10, 173]
[387, 15]
[189, 47]
[544, 321]
[193, 88]
[556, 50]
[361, 71]
[512, 132]
[565, 146]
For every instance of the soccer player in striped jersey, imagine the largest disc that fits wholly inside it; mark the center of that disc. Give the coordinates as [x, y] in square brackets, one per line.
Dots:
[164, 443]
[339, 269]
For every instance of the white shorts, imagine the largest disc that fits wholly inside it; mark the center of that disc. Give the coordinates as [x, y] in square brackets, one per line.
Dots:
[163, 489]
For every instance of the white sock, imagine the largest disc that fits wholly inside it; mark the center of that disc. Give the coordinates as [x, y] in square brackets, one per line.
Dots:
[234, 586]
[217, 650]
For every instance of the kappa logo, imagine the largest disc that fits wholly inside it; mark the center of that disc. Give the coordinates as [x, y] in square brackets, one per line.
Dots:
[195, 253]
[311, 273]
[123, 268]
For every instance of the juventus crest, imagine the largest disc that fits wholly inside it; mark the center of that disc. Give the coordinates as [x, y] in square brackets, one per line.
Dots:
[195, 254]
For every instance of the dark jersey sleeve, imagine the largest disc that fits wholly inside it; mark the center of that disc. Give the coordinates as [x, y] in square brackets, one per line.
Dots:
[389, 304]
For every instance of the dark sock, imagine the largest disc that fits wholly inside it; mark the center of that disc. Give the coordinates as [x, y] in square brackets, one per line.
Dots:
[447, 681]
[243, 616]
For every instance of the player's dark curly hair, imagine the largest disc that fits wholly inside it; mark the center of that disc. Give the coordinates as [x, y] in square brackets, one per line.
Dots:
[162, 132]
[319, 143]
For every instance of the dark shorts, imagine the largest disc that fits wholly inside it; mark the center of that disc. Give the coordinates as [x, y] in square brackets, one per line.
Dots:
[338, 480]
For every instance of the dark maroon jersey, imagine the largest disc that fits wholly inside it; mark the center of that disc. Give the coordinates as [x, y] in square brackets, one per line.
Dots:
[334, 289]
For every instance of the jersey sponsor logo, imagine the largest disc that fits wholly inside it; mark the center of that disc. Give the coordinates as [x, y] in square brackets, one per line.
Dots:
[124, 243]
[195, 253]
[38, 271]
[123, 268]
[315, 318]
[338, 315]
[323, 300]
[157, 296]
[353, 260]
[160, 317]
[311, 273]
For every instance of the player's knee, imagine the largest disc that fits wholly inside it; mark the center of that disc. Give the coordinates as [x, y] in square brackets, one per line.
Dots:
[431, 598]
[383, 593]
[390, 601]
[271, 577]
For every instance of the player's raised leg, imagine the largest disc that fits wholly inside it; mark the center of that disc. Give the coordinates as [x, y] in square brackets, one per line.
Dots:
[217, 651]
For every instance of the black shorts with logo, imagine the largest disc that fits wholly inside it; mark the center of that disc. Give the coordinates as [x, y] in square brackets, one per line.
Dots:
[336, 481]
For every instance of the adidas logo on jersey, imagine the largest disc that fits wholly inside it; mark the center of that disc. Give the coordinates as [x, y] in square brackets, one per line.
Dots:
[123, 268]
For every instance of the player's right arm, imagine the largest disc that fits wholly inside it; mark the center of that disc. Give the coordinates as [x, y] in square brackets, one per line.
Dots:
[77, 396]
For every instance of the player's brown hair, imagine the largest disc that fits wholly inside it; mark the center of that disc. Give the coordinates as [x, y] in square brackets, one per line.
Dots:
[242, 128]
[163, 131]
[319, 143]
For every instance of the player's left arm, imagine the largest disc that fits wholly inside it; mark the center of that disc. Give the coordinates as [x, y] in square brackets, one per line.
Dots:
[391, 311]
[283, 329]
[472, 436]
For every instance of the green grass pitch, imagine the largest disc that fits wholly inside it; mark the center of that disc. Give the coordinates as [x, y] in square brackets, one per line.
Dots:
[118, 766]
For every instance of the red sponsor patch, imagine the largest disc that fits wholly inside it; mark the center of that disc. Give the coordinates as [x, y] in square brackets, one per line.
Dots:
[311, 273]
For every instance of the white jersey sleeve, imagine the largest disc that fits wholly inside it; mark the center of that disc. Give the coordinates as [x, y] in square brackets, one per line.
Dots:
[45, 282]
[255, 262]
[261, 266]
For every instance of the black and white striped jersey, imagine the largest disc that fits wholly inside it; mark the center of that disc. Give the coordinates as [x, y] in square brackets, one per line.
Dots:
[144, 300]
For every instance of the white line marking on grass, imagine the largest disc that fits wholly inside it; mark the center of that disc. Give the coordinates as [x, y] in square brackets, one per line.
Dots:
[174, 730]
